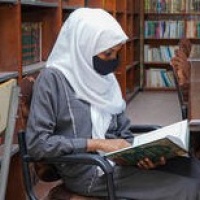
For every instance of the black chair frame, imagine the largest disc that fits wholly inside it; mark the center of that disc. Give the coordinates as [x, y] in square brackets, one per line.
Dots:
[81, 158]
[184, 109]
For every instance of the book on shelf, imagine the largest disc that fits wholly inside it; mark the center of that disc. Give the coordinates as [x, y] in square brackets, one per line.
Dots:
[171, 6]
[165, 6]
[165, 29]
[159, 78]
[169, 141]
[31, 42]
[159, 54]
[192, 6]
[195, 51]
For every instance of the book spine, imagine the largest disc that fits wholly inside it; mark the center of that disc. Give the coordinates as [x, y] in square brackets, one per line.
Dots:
[31, 43]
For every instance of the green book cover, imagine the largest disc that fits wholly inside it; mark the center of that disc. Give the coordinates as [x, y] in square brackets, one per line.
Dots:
[169, 141]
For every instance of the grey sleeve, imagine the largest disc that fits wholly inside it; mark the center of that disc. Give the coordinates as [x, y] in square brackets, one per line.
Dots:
[121, 129]
[42, 134]
[124, 127]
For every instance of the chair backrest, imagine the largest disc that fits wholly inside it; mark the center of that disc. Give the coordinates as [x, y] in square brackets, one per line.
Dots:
[45, 172]
[9, 93]
[180, 95]
[26, 95]
[5, 93]
[25, 167]
[185, 47]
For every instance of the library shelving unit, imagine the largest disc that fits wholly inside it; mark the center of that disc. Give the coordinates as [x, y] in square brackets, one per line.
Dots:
[164, 24]
[28, 31]
[127, 14]
[22, 21]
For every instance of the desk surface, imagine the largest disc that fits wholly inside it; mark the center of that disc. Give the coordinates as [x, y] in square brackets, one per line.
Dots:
[194, 96]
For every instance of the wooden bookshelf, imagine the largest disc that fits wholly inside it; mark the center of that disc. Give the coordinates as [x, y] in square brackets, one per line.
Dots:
[50, 14]
[157, 17]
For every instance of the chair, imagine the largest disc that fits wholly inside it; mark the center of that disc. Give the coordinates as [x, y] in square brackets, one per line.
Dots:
[87, 159]
[83, 158]
[9, 99]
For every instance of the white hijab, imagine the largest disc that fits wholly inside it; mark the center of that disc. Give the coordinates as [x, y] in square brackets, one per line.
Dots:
[86, 33]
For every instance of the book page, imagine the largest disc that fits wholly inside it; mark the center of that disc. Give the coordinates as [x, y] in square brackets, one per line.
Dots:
[177, 133]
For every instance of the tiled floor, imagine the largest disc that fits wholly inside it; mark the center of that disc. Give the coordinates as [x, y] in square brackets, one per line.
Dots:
[161, 108]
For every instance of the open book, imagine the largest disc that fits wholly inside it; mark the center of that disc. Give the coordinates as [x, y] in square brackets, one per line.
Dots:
[169, 141]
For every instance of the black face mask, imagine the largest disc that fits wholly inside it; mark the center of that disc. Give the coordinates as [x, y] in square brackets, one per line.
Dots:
[105, 67]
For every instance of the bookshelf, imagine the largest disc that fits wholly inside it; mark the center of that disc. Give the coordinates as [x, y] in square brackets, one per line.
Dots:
[29, 29]
[164, 24]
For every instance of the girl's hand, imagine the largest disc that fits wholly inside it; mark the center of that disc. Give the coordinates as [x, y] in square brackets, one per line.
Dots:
[148, 164]
[106, 145]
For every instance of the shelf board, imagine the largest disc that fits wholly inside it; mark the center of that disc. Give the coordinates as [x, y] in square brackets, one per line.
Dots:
[132, 65]
[4, 76]
[70, 8]
[159, 89]
[194, 40]
[8, 1]
[120, 12]
[171, 41]
[129, 67]
[39, 3]
[171, 15]
[136, 38]
[132, 39]
[157, 63]
[136, 63]
[161, 41]
[30, 69]
[167, 39]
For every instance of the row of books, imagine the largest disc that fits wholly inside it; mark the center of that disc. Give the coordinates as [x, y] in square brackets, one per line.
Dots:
[159, 54]
[165, 53]
[193, 29]
[31, 42]
[172, 29]
[195, 51]
[159, 78]
[164, 29]
[172, 6]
